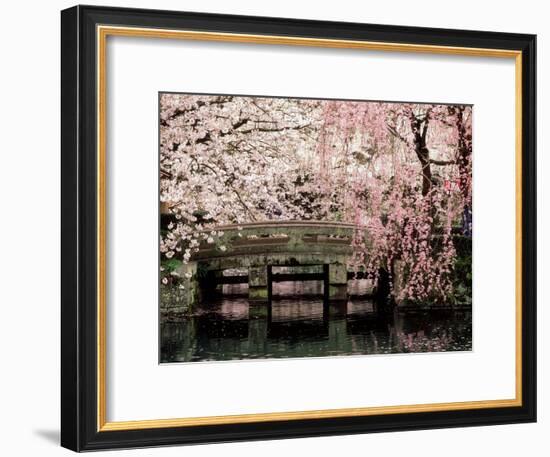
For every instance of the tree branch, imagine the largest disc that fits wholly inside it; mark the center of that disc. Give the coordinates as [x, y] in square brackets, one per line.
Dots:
[442, 162]
[396, 134]
[245, 206]
[282, 129]
[424, 130]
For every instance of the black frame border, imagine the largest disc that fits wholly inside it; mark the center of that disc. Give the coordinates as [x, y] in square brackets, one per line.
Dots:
[79, 236]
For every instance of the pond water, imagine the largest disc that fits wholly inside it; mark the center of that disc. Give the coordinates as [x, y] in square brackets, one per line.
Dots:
[229, 328]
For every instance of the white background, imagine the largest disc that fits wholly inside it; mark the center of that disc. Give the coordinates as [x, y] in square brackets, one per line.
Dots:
[29, 189]
[137, 70]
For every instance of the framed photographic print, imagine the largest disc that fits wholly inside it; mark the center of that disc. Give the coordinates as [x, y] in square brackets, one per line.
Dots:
[284, 228]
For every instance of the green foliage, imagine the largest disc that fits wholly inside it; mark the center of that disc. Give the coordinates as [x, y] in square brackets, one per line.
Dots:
[462, 273]
[168, 274]
[170, 265]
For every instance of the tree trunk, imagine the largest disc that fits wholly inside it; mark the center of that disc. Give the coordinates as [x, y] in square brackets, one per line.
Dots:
[424, 156]
[419, 127]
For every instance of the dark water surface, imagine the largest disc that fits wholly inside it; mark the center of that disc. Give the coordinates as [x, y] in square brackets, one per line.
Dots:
[230, 329]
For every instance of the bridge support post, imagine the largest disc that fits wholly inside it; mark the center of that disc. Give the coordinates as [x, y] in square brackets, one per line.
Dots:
[258, 284]
[337, 282]
[186, 297]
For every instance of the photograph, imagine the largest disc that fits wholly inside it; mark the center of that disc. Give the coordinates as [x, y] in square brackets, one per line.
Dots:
[298, 227]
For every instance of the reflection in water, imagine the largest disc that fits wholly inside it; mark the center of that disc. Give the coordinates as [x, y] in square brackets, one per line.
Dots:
[231, 329]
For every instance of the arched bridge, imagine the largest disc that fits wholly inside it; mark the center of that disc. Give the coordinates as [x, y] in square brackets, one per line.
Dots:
[261, 246]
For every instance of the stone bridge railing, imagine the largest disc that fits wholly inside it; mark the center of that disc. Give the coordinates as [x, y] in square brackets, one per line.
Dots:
[288, 237]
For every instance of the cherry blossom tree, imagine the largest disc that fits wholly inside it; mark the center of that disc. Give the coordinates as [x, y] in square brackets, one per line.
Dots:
[401, 172]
